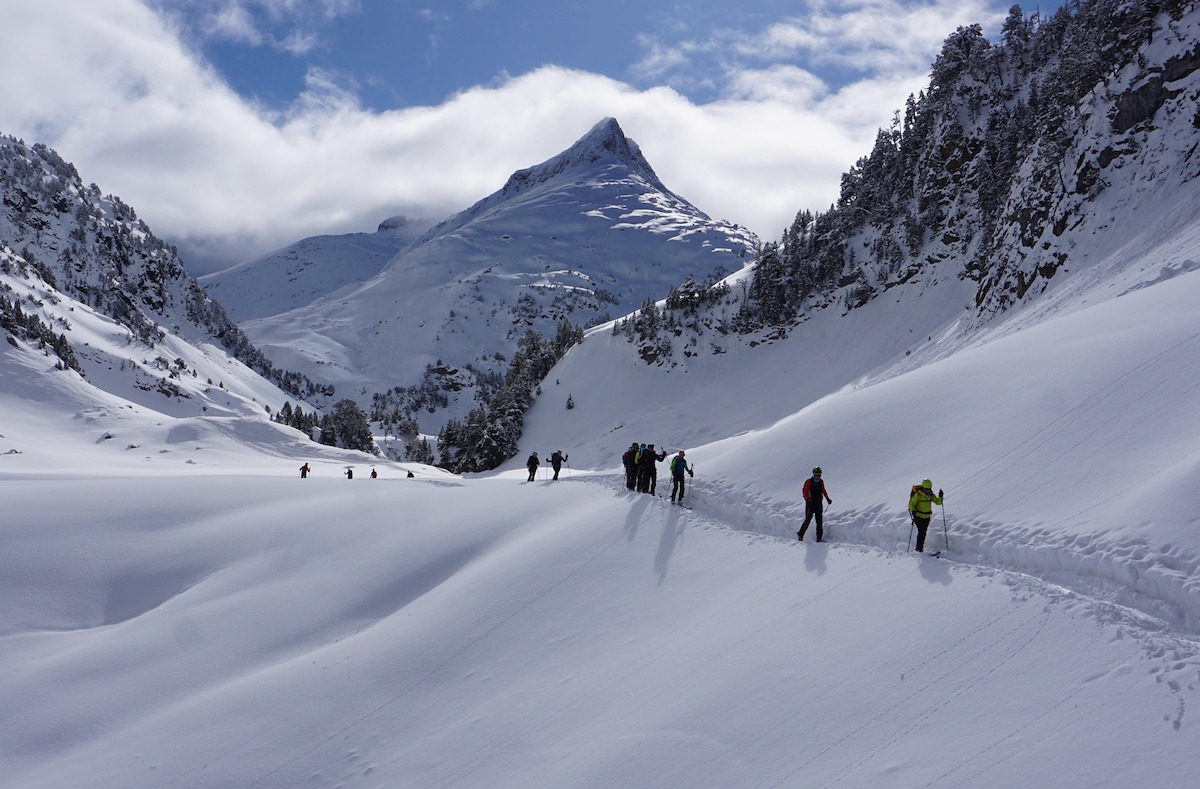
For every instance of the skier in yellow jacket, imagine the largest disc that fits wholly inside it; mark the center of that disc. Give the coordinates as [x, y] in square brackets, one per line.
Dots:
[920, 507]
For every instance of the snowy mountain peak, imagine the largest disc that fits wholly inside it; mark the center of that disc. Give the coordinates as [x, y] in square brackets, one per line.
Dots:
[586, 236]
[604, 145]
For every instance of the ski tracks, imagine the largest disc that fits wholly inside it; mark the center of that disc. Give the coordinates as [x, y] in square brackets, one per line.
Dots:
[1127, 588]
[1152, 593]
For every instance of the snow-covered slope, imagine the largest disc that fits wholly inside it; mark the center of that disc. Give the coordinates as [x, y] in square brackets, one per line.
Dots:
[307, 270]
[242, 627]
[82, 277]
[586, 235]
[178, 608]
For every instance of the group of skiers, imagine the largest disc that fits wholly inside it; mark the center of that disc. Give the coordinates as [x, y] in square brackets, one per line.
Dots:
[920, 507]
[641, 474]
[557, 459]
[641, 467]
[641, 470]
[348, 473]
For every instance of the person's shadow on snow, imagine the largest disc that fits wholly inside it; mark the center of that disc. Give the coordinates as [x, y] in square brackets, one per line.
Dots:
[634, 518]
[936, 571]
[815, 555]
[666, 545]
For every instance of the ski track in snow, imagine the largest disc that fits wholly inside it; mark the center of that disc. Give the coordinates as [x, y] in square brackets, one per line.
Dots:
[1147, 594]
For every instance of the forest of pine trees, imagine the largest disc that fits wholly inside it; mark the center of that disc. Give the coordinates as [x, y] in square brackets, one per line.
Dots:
[297, 418]
[490, 433]
[944, 175]
[345, 426]
[28, 326]
[485, 439]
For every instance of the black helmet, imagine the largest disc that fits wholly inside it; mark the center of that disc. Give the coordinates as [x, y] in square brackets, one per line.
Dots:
[816, 469]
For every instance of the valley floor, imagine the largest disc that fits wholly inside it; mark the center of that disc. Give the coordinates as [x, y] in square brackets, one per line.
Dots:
[263, 631]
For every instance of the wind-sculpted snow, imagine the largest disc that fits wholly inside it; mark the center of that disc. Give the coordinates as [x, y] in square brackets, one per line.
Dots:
[165, 623]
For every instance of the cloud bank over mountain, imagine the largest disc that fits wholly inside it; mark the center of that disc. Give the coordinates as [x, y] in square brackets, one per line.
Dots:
[126, 94]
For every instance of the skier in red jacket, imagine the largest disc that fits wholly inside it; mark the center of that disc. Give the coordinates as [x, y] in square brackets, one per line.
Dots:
[815, 497]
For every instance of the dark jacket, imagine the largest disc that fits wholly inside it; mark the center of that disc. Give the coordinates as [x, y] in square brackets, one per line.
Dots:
[815, 493]
[651, 459]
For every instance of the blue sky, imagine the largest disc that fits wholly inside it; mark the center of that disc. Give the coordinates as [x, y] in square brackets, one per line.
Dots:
[235, 127]
[396, 53]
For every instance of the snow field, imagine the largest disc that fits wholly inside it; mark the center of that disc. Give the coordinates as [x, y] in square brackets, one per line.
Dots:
[279, 632]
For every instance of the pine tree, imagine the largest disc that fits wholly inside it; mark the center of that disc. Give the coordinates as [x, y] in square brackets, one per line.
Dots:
[329, 436]
[352, 427]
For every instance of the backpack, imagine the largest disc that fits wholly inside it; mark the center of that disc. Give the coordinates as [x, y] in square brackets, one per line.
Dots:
[678, 465]
[912, 494]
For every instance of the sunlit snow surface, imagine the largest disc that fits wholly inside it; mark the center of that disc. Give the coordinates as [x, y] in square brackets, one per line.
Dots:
[178, 608]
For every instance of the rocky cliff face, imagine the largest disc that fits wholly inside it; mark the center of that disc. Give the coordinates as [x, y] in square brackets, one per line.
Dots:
[62, 238]
[1009, 168]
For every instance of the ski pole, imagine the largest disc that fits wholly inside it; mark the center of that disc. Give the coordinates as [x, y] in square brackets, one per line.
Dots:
[911, 525]
[945, 529]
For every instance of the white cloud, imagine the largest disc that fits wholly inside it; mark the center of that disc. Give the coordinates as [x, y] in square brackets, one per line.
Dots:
[661, 58]
[779, 83]
[112, 87]
[873, 35]
[861, 36]
[233, 23]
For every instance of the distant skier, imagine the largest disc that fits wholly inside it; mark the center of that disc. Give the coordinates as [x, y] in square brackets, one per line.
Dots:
[920, 507]
[374, 473]
[678, 467]
[556, 461]
[815, 497]
[304, 471]
[532, 464]
[630, 460]
[349, 473]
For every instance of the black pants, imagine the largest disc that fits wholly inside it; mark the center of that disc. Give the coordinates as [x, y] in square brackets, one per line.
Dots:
[532, 472]
[677, 486]
[556, 470]
[813, 511]
[922, 525]
[630, 477]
